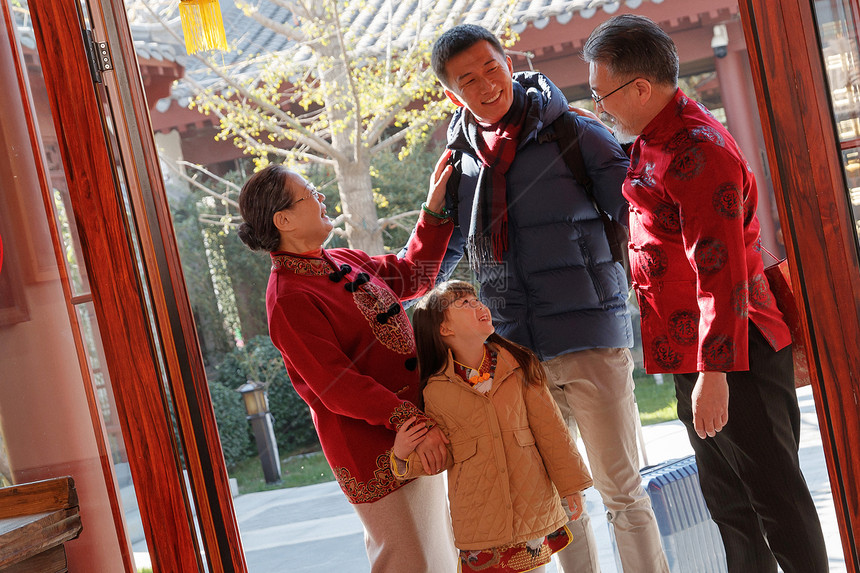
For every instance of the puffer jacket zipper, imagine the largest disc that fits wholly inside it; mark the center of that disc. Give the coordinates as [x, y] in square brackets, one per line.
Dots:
[589, 266]
[529, 307]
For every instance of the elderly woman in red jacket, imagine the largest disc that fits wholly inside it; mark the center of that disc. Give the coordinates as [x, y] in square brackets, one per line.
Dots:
[349, 349]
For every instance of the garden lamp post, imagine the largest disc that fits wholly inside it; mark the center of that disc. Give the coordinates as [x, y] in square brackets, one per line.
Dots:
[257, 406]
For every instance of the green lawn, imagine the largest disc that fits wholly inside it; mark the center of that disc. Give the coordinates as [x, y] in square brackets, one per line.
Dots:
[656, 402]
[304, 469]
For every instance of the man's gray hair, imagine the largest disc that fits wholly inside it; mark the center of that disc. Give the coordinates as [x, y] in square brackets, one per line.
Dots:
[629, 46]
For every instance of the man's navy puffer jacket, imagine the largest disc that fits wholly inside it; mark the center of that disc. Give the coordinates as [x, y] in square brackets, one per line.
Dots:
[558, 289]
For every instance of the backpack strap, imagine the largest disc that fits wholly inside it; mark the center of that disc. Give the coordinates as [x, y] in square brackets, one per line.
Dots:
[567, 135]
[566, 130]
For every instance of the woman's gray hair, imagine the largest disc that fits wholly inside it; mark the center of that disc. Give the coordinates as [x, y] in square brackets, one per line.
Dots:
[630, 46]
[264, 194]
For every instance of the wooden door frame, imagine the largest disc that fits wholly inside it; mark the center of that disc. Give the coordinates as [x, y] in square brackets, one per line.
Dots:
[186, 375]
[810, 187]
[122, 296]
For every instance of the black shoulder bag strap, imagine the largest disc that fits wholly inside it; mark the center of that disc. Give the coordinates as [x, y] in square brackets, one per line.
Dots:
[567, 135]
[452, 188]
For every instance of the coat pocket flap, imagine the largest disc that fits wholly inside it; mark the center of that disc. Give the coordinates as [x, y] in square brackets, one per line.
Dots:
[524, 437]
[462, 451]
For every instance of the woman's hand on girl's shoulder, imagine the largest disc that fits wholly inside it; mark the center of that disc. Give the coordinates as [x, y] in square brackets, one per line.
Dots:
[408, 436]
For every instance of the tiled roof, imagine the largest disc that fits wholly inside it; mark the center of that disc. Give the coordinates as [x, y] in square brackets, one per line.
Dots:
[539, 12]
[370, 21]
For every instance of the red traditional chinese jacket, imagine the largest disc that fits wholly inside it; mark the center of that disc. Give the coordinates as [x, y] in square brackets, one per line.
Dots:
[694, 245]
[349, 348]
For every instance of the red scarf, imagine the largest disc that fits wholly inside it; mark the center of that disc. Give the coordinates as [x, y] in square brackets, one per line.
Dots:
[496, 147]
[497, 153]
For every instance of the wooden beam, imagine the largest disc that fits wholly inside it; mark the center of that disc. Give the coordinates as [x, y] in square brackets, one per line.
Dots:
[36, 519]
[38, 496]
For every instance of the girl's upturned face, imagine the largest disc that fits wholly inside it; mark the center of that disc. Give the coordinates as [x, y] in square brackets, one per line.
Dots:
[467, 316]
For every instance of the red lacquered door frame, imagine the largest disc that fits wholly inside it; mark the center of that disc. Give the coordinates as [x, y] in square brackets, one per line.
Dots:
[821, 244]
[120, 293]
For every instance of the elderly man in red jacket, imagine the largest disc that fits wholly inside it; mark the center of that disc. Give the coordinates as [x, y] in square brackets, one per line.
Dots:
[708, 315]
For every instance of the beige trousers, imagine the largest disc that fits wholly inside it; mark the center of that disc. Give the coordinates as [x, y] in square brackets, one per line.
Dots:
[410, 529]
[594, 391]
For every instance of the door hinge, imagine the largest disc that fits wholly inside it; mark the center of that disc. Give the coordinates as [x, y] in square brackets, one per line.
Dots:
[99, 57]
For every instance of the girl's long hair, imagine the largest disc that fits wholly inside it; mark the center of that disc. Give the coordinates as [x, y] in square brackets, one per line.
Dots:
[432, 351]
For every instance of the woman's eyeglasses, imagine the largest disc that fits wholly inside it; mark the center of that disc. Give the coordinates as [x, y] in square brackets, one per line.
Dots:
[289, 203]
[313, 193]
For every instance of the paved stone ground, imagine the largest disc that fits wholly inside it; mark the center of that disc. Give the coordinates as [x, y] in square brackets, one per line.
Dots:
[314, 529]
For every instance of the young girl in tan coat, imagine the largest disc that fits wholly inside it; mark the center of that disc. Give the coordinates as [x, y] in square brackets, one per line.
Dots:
[511, 455]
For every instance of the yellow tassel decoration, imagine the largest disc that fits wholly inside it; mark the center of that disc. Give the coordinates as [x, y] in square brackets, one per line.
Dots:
[202, 25]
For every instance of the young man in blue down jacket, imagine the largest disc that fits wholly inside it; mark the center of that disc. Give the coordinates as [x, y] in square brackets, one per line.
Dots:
[539, 251]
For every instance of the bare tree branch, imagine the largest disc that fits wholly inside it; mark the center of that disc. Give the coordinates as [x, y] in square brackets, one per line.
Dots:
[213, 219]
[217, 178]
[218, 195]
[304, 135]
[394, 219]
[282, 28]
[355, 99]
[378, 126]
[398, 225]
[399, 136]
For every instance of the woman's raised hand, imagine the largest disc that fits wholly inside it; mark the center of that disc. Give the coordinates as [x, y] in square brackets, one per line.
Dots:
[438, 182]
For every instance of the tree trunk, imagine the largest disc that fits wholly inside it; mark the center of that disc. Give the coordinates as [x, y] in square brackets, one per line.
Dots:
[356, 196]
[353, 175]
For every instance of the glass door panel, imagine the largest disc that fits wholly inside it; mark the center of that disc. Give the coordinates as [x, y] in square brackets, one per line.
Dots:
[851, 161]
[57, 414]
[838, 29]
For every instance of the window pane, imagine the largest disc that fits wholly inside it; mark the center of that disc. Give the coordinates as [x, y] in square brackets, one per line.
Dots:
[56, 410]
[838, 24]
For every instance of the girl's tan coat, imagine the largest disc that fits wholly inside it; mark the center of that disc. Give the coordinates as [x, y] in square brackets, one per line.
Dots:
[511, 457]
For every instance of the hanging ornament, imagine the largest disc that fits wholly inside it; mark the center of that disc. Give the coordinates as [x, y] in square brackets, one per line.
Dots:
[202, 25]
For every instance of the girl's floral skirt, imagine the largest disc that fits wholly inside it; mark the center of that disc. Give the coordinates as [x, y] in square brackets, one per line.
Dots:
[516, 558]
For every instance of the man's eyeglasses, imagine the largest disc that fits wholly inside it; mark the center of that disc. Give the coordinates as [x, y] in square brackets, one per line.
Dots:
[597, 99]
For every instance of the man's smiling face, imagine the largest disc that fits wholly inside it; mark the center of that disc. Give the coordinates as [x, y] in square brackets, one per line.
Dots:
[479, 78]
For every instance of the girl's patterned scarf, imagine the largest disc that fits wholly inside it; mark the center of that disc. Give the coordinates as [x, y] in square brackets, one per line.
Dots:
[486, 370]
[496, 146]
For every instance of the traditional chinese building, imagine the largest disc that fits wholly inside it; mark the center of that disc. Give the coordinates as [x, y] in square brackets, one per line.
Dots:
[100, 367]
